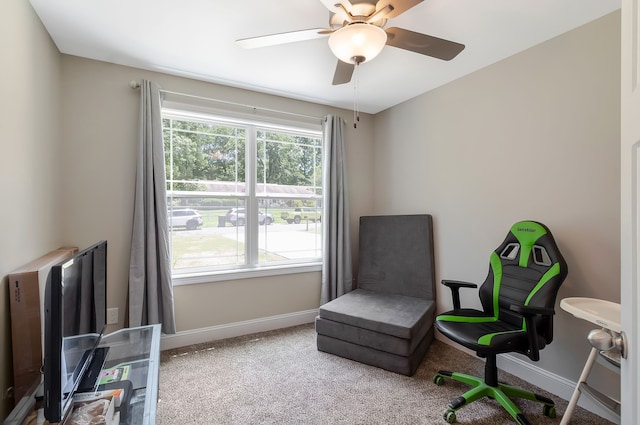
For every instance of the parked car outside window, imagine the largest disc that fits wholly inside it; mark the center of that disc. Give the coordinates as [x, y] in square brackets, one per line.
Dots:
[188, 218]
[236, 216]
[299, 214]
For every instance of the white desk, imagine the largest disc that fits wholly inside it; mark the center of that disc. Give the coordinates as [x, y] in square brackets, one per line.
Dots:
[606, 315]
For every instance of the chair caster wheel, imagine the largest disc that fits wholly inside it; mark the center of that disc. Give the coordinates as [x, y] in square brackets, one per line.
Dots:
[549, 411]
[438, 380]
[449, 416]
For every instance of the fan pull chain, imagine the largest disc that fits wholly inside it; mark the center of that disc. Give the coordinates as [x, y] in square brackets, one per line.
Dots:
[356, 100]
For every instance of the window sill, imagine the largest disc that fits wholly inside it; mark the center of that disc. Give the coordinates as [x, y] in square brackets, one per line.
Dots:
[196, 278]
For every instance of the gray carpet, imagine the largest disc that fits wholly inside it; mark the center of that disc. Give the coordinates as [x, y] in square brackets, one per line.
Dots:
[279, 377]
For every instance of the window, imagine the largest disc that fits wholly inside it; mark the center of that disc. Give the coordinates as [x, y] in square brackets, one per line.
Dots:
[252, 192]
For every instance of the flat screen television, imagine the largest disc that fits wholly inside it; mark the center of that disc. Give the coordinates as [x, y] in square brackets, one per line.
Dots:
[75, 308]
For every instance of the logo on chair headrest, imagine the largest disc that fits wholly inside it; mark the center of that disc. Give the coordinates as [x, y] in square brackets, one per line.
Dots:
[526, 229]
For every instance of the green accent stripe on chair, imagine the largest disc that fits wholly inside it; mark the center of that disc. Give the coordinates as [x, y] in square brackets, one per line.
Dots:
[552, 272]
[486, 339]
[527, 233]
[496, 267]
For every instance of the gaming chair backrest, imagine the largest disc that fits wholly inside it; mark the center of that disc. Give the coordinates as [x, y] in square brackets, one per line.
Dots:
[526, 269]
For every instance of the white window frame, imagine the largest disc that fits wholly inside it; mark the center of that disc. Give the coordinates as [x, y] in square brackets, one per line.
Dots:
[252, 124]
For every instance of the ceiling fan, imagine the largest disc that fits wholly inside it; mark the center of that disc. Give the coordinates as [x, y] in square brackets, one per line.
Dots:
[356, 34]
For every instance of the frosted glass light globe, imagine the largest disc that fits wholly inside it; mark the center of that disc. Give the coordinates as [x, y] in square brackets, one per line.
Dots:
[358, 42]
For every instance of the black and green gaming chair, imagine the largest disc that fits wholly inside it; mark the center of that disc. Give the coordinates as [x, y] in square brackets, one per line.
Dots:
[518, 299]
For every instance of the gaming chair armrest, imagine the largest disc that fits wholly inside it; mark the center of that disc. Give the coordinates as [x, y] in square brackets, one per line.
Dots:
[529, 314]
[455, 286]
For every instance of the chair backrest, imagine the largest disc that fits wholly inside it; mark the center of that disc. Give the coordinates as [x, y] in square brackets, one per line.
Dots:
[526, 269]
[396, 255]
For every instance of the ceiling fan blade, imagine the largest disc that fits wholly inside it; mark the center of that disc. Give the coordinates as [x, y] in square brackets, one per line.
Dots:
[343, 73]
[398, 6]
[282, 38]
[423, 44]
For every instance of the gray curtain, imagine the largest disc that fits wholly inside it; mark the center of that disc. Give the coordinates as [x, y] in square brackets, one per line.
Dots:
[150, 288]
[336, 265]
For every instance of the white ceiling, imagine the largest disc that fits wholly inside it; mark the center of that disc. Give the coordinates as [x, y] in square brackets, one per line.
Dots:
[196, 39]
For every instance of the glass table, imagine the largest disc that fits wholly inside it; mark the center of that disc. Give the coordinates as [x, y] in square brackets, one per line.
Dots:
[136, 350]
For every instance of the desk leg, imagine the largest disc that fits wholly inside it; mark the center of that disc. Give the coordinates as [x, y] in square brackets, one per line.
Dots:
[576, 393]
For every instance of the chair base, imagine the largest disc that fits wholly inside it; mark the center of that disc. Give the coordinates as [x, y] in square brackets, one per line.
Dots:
[502, 393]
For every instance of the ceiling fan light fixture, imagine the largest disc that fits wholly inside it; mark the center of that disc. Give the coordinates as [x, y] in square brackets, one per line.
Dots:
[358, 42]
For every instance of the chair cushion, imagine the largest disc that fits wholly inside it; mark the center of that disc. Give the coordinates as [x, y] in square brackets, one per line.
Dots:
[405, 365]
[395, 315]
[476, 330]
[366, 338]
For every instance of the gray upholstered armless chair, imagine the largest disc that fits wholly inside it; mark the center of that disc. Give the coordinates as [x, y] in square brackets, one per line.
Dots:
[388, 320]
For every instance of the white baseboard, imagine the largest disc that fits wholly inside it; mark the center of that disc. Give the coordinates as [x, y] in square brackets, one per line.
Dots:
[230, 330]
[548, 381]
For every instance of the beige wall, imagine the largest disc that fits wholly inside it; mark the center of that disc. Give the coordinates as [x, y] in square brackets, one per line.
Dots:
[535, 136]
[29, 140]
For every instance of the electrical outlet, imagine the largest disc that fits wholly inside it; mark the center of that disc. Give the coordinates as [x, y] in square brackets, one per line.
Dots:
[112, 316]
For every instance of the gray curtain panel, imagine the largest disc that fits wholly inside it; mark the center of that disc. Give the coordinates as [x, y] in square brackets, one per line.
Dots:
[150, 288]
[336, 265]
